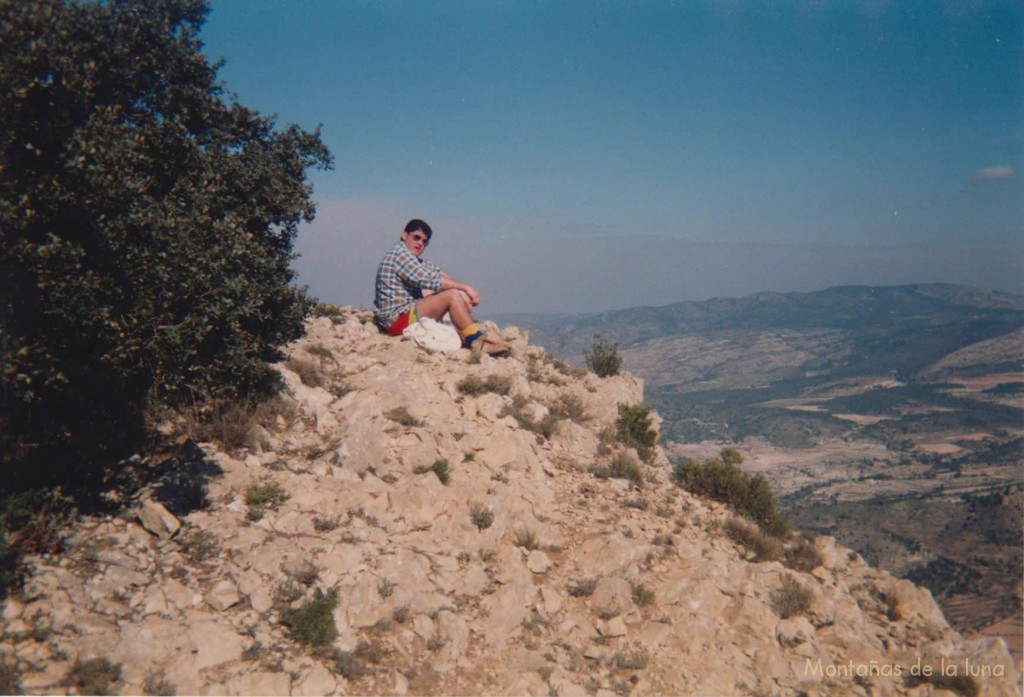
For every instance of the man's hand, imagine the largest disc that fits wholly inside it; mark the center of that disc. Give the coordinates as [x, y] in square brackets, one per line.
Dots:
[471, 295]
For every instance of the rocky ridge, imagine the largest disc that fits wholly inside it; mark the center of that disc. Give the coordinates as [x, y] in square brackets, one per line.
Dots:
[523, 574]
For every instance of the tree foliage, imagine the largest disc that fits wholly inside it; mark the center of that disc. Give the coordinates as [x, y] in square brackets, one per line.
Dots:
[634, 428]
[722, 479]
[603, 357]
[146, 225]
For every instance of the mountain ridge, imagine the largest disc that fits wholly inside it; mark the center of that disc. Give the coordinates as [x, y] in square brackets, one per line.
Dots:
[516, 567]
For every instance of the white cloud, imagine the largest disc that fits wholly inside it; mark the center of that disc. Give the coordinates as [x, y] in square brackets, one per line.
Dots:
[991, 173]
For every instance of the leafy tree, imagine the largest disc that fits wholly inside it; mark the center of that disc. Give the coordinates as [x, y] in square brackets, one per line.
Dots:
[146, 227]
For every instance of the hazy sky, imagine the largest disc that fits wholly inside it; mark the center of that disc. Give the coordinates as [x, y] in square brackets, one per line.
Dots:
[588, 155]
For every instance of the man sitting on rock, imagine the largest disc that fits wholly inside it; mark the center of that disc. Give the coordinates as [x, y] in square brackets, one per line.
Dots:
[409, 288]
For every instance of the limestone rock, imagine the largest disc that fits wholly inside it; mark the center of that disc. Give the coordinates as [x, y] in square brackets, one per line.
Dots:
[157, 519]
[564, 589]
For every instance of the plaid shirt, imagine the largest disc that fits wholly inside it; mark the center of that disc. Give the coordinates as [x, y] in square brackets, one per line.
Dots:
[401, 280]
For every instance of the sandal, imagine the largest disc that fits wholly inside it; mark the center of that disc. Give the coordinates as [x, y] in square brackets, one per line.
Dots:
[490, 346]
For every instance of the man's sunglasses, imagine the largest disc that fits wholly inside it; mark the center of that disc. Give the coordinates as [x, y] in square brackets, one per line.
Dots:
[417, 237]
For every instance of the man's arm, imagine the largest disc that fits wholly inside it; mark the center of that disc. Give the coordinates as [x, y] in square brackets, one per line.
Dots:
[447, 282]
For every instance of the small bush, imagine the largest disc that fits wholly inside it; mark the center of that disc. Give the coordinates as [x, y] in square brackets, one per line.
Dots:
[95, 676]
[961, 684]
[306, 574]
[634, 430]
[642, 595]
[401, 416]
[440, 468]
[287, 593]
[629, 660]
[312, 624]
[400, 614]
[890, 602]
[232, 423]
[474, 385]
[583, 588]
[335, 313]
[385, 588]
[570, 406]
[603, 357]
[198, 545]
[157, 685]
[518, 411]
[802, 555]
[31, 522]
[320, 351]
[10, 677]
[325, 524]
[721, 479]
[527, 539]
[622, 466]
[763, 546]
[267, 495]
[481, 516]
[307, 371]
[790, 598]
[345, 663]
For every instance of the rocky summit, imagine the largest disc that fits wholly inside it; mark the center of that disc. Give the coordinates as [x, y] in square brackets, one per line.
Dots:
[416, 522]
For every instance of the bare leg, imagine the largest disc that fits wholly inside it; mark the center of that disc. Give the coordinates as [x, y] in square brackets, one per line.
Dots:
[454, 302]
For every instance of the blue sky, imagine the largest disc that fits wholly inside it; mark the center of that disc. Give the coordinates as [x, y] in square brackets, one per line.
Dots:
[581, 156]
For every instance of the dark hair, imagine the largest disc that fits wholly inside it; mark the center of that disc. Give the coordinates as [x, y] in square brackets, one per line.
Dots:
[417, 224]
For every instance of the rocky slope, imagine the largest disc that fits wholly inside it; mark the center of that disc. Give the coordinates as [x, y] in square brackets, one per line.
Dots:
[524, 573]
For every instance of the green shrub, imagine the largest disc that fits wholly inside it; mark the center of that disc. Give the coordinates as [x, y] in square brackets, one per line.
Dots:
[94, 676]
[312, 624]
[721, 479]
[440, 468]
[268, 494]
[633, 429]
[259, 497]
[149, 221]
[602, 357]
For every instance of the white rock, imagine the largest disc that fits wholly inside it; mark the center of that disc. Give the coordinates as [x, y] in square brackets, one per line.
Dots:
[223, 595]
[157, 519]
[538, 562]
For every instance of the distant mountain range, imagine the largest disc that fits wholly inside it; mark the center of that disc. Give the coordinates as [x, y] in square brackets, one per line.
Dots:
[706, 363]
[864, 406]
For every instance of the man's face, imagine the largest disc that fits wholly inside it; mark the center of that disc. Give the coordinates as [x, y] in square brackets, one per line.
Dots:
[415, 241]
